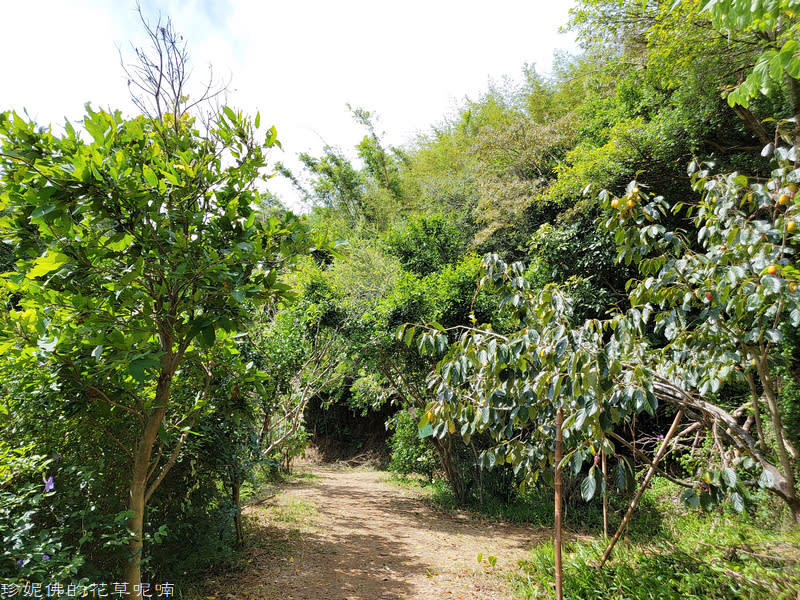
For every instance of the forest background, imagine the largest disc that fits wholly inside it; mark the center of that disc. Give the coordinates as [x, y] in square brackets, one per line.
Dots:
[539, 285]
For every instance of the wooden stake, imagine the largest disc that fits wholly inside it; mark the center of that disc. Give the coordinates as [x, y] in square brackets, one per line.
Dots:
[605, 493]
[635, 502]
[557, 502]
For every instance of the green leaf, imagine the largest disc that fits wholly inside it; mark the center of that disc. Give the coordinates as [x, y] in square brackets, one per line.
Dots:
[690, 498]
[229, 113]
[41, 211]
[620, 476]
[737, 501]
[170, 177]
[208, 336]
[771, 283]
[149, 176]
[588, 487]
[47, 263]
[426, 431]
[766, 480]
[138, 368]
[729, 477]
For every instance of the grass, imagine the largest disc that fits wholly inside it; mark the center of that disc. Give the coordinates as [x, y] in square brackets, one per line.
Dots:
[668, 552]
[719, 555]
[534, 507]
[294, 510]
[266, 483]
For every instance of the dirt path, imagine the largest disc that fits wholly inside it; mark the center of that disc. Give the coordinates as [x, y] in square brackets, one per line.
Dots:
[346, 534]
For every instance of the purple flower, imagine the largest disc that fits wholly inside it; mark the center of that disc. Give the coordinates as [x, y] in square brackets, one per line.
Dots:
[21, 563]
[49, 484]
[45, 557]
[660, 437]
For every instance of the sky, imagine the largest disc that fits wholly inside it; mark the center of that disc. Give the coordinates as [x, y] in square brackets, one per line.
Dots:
[297, 62]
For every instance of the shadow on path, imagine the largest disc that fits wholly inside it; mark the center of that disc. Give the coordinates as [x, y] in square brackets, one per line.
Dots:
[347, 535]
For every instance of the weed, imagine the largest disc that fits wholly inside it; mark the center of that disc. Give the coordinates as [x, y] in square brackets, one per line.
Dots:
[695, 555]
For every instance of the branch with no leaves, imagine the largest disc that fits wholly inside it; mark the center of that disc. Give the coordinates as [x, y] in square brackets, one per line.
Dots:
[158, 79]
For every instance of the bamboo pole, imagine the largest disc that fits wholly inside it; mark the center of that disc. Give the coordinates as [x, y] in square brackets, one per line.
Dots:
[635, 502]
[557, 502]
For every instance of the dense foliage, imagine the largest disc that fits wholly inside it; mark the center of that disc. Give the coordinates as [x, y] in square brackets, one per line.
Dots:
[522, 301]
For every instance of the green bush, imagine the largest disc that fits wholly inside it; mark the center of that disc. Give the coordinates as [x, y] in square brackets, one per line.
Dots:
[51, 519]
[410, 453]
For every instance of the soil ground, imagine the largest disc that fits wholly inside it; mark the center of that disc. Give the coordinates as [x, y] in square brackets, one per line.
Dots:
[348, 534]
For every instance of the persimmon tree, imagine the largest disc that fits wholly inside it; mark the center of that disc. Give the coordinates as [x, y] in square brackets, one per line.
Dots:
[137, 246]
[720, 298]
[547, 390]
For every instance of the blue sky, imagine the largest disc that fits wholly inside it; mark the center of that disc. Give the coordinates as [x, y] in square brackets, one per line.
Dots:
[298, 62]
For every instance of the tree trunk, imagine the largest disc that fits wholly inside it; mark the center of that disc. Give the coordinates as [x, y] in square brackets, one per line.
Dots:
[454, 477]
[133, 570]
[780, 440]
[605, 492]
[138, 485]
[557, 501]
[705, 412]
[752, 122]
[236, 489]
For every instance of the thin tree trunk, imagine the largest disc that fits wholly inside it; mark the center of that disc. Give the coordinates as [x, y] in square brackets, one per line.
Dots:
[777, 426]
[557, 502]
[635, 502]
[138, 486]
[454, 478]
[756, 409]
[236, 490]
[133, 570]
[752, 122]
[605, 492]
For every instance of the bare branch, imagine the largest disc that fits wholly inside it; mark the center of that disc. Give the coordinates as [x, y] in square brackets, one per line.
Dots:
[158, 79]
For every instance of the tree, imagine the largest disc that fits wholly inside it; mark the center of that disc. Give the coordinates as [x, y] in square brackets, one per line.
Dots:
[136, 252]
[720, 301]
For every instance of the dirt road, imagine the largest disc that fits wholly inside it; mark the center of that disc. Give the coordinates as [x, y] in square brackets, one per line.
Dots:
[344, 534]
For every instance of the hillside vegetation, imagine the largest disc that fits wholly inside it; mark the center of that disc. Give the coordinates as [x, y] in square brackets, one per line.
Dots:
[569, 288]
